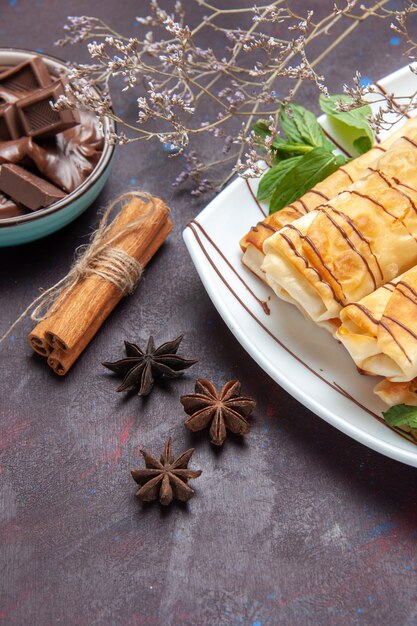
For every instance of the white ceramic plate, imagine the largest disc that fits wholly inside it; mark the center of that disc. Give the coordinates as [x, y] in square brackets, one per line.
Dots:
[304, 359]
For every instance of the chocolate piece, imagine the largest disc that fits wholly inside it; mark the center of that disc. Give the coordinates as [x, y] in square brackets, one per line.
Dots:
[8, 208]
[72, 157]
[18, 150]
[24, 78]
[37, 116]
[66, 161]
[27, 189]
[9, 128]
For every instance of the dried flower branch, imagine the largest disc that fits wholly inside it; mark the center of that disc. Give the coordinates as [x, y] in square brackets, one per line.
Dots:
[387, 103]
[250, 70]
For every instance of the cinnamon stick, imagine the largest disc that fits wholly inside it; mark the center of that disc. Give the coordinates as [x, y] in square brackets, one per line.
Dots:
[61, 360]
[37, 340]
[82, 310]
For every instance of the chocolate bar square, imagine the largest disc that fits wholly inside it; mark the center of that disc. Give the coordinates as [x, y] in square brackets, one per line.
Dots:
[9, 128]
[26, 188]
[8, 208]
[25, 77]
[37, 116]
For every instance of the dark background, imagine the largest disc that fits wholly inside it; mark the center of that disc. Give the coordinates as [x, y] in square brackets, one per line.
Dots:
[298, 524]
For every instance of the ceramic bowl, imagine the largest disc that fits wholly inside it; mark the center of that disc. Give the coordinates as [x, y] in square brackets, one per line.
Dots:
[18, 230]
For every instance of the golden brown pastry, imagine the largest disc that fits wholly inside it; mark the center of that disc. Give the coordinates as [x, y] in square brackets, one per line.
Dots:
[252, 242]
[348, 247]
[380, 331]
[397, 393]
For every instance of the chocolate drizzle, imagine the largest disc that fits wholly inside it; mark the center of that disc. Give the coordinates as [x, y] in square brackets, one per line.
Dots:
[366, 197]
[333, 140]
[397, 181]
[316, 251]
[268, 226]
[401, 325]
[350, 243]
[399, 108]
[413, 143]
[407, 286]
[389, 184]
[254, 197]
[303, 204]
[319, 193]
[263, 303]
[342, 169]
[359, 234]
[292, 206]
[369, 315]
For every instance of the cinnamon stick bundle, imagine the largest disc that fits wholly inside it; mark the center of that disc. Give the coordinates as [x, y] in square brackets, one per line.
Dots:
[81, 309]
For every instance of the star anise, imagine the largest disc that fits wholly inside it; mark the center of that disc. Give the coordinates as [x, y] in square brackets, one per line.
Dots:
[227, 410]
[139, 369]
[165, 479]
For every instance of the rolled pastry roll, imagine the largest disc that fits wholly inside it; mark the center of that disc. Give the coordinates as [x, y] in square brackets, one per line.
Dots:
[252, 243]
[397, 393]
[380, 331]
[348, 247]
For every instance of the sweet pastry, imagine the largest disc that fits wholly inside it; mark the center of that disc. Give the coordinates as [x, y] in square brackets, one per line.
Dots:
[380, 331]
[252, 243]
[348, 247]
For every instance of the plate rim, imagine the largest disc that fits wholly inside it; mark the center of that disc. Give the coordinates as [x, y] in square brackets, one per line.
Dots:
[205, 273]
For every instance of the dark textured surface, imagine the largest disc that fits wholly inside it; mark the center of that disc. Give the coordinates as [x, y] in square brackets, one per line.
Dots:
[296, 525]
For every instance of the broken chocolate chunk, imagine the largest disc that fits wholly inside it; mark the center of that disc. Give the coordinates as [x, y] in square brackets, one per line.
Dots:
[9, 208]
[28, 189]
[9, 128]
[24, 78]
[37, 116]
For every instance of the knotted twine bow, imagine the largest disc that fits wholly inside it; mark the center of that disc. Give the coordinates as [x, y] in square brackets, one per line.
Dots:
[101, 257]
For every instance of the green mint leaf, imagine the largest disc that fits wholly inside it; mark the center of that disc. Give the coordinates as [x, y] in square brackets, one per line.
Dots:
[288, 150]
[301, 126]
[401, 415]
[311, 169]
[272, 178]
[362, 144]
[356, 119]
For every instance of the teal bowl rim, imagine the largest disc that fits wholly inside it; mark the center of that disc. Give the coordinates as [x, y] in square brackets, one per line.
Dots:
[100, 168]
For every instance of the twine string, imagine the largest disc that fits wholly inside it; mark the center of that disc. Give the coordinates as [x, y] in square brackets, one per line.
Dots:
[101, 257]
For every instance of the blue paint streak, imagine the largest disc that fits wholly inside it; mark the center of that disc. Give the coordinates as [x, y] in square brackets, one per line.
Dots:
[177, 535]
[133, 181]
[395, 41]
[12, 3]
[379, 530]
[257, 623]
[365, 81]
[39, 50]
[11, 338]
[93, 491]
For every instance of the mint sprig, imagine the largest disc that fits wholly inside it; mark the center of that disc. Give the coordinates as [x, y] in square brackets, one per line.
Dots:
[309, 170]
[305, 157]
[401, 415]
[301, 126]
[355, 119]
